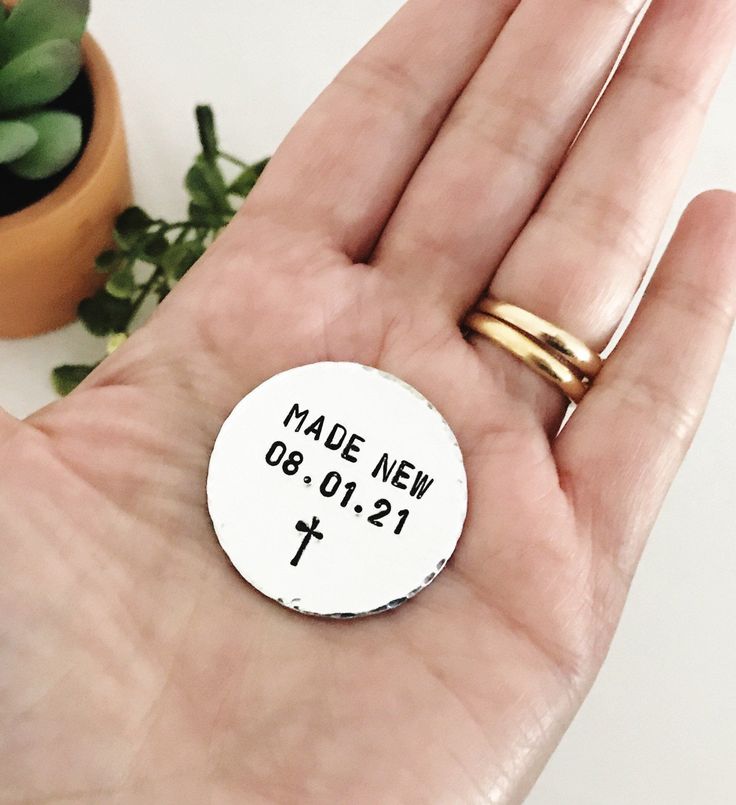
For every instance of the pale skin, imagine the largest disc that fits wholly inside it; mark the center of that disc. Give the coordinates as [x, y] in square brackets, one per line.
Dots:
[137, 666]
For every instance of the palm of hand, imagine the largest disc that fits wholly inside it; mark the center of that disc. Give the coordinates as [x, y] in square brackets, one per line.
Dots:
[163, 640]
[139, 665]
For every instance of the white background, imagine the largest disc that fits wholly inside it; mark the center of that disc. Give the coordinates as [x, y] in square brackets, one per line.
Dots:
[660, 724]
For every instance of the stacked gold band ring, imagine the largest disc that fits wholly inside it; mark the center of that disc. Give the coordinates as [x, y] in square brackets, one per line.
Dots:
[558, 356]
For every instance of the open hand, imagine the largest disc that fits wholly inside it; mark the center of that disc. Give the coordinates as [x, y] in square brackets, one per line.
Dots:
[137, 666]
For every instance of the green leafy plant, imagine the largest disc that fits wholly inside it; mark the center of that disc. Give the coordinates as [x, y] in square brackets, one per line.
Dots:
[40, 56]
[151, 254]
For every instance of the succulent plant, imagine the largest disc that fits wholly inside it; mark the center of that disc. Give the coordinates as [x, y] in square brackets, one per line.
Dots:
[40, 57]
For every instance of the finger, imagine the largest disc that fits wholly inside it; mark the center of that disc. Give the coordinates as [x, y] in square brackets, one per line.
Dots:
[582, 256]
[342, 168]
[583, 253]
[500, 146]
[623, 445]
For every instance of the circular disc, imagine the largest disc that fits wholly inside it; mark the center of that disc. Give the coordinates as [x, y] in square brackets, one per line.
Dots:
[337, 489]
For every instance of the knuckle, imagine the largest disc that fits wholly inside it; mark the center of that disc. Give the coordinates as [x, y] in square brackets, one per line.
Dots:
[388, 85]
[676, 85]
[660, 405]
[510, 123]
[602, 221]
[690, 300]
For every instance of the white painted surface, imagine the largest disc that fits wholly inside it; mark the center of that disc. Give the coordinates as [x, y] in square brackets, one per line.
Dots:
[337, 489]
[660, 724]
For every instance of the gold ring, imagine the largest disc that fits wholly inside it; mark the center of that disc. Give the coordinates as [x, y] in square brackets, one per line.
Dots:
[534, 355]
[571, 349]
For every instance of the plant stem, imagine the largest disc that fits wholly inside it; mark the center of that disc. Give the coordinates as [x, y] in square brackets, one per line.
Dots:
[233, 159]
[164, 226]
[145, 290]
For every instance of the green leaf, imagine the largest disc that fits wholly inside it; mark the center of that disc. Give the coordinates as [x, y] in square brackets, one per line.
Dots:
[180, 258]
[16, 139]
[207, 188]
[130, 226]
[132, 220]
[108, 261]
[32, 22]
[154, 247]
[3, 36]
[103, 314]
[122, 284]
[115, 341]
[204, 217]
[244, 182]
[59, 141]
[39, 75]
[206, 130]
[259, 167]
[67, 377]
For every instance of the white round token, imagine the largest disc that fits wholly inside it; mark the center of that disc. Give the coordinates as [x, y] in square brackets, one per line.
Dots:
[337, 489]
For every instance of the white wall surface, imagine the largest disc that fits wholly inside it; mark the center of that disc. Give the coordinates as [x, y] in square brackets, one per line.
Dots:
[659, 727]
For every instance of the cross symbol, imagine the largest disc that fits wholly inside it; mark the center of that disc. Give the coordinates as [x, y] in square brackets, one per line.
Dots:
[309, 532]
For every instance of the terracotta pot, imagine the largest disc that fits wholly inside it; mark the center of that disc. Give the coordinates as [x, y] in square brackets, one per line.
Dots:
[47, 250]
